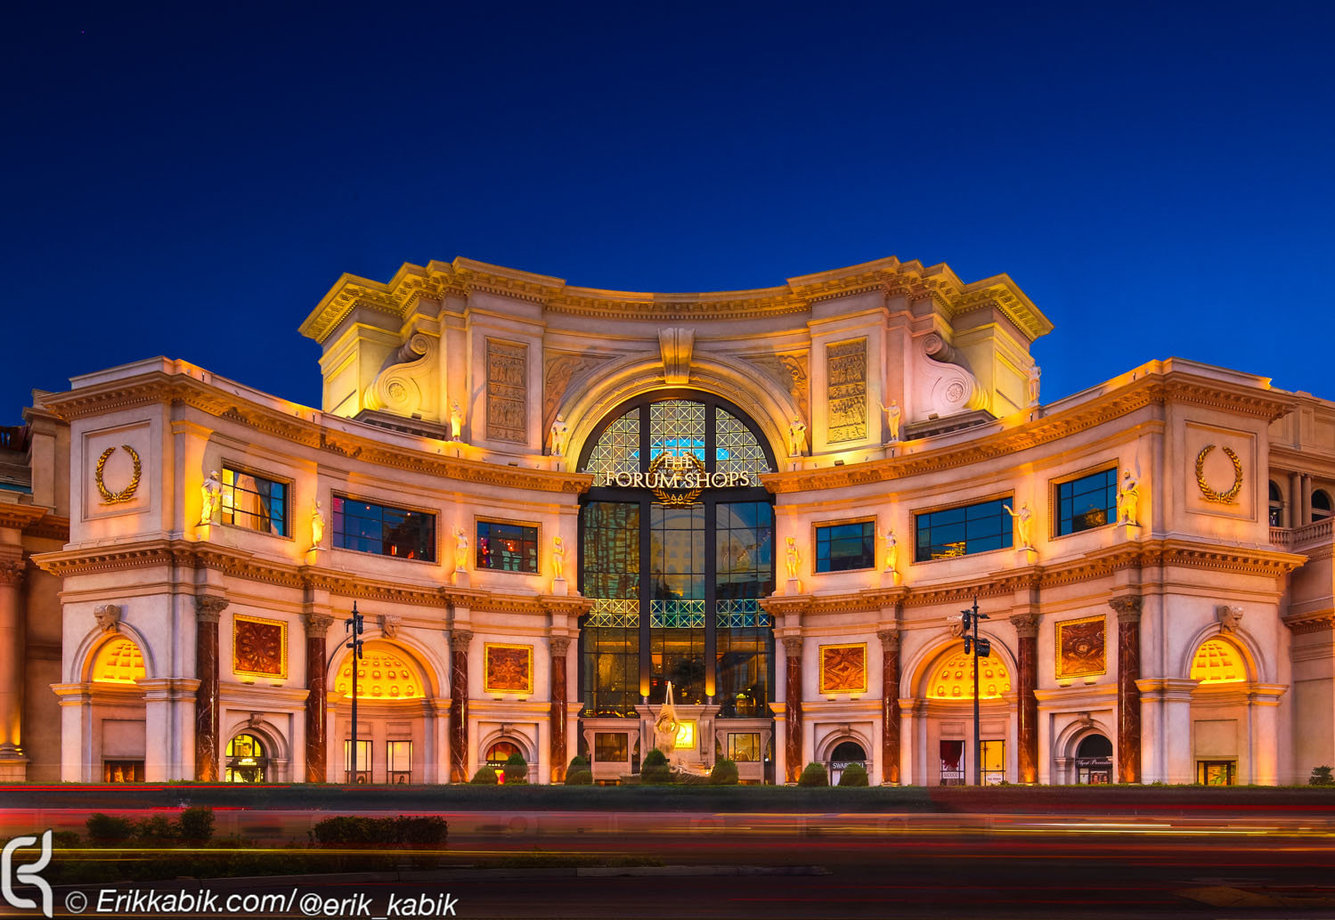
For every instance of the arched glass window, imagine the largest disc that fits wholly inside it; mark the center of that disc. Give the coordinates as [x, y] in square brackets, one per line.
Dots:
[677, 548]
[1218, 661]
[1093, 760]
[118, 662]
[1276, 505]
[502, 751]
[246, 760]
[952, 678]
[1321, 508]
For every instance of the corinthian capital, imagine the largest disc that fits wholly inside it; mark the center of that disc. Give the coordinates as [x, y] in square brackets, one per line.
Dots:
[558, 645]
[12, 570]
[889, 640]
[793, 646]
[317, 624]
[460, 640]
[1026, 625]
[208, 607]
[1127, 607]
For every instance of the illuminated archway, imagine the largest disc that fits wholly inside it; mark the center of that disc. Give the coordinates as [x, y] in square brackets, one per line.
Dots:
[384, 673]
[118, 661]
[1218, 661]
[951, 678]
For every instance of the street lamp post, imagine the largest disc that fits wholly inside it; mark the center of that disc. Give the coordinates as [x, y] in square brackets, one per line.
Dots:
[979, 648]
[354, 626]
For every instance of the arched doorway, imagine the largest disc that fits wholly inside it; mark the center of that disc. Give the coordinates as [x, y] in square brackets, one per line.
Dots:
[947, 728]
[1093, 760]
[1219, 705]
[677, 548]
[844, 755]
[395, 716]
[118, 711]
[247, 760]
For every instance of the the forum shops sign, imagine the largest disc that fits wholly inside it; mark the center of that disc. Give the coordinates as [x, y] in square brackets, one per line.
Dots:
[676, 480]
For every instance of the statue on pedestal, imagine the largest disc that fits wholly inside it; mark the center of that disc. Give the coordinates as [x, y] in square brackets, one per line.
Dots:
[797, 437]
[560, 433]
[211, 493]
[794, 559]
[460, 550]
[317, 527]
[558, 557]
[893, 414]
[1128, 500]
[1023, 519]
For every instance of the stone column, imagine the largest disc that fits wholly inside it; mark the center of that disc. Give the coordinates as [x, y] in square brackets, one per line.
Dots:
[558, 646]
[1128, 694]
[208, 607]
[11, 662]
[891, 720]
[1026, 627]
[1295, 510]
[792, 646]
[459, 642]
[317, 697]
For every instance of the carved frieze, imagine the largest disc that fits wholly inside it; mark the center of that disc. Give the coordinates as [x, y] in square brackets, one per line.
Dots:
[843, 668]
[790, 371]
[558, 374]
[509, 668]
[1082, 647]
[507, 391]
[259, 647]
[846, 390]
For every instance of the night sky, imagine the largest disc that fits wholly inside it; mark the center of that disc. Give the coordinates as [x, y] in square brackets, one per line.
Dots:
[190, 179]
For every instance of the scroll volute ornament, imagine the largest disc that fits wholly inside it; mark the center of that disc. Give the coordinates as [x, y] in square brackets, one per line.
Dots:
[1229, 497]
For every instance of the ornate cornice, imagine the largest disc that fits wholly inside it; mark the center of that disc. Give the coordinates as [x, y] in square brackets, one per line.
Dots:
[1311, 623]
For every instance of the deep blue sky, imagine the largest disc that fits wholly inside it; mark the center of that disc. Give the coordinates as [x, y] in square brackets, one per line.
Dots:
[190, 179]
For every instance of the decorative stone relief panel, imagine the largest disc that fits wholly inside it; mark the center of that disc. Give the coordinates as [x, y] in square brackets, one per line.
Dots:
[507, 391]
[509, 668]
[259, 647]
[846, 390]
[1082, 647]
[790, 371]
[1220, 471]
[558, 375]
[843, 668]
[119, 461]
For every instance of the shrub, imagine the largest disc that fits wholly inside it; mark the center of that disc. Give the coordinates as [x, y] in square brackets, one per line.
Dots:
[485, 776]
[581, 776]
[105, 830]
[516, 769]
[1321, 776]
[155, 831]
[855, 774]
[814, 775]
[352, 832]
[577, 763]
[724, 773]
[195, 824]
[654, 771]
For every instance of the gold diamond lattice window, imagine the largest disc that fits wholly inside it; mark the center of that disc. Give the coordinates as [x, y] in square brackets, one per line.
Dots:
[618, 447]
[677, 426]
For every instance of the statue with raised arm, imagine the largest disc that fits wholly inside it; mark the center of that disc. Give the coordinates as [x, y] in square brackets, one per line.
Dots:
[797, 437]
[558, 557]
[560, 433]
[1023, 519]
[211, 493]
[794, 559]
[1128, 500]
[893, 414]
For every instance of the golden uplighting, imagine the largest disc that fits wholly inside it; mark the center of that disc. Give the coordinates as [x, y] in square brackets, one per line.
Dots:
[118, 662]
[384, 673]
[1218, 661]
[952, 679]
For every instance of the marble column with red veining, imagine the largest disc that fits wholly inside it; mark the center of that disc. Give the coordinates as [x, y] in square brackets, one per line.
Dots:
[1026, 627]
[890, 721]
[11, 657]
[207, 610]
[459, 642]
[1128, 694]
[317, 697]
[792, 646]
[558, 646]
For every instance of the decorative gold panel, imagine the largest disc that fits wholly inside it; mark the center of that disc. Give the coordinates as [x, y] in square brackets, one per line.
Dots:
[118, 662]
[383, 673]
[1082, 647]
[843, 668]
[1218, 661]
[259, 647]
[509, 668]
[846, 390]
[507, 391]
[952, 678]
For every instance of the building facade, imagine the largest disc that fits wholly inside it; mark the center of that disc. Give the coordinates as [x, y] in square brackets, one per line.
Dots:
[553, 506]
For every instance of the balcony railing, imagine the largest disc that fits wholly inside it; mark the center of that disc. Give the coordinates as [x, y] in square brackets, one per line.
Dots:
[1316, 533]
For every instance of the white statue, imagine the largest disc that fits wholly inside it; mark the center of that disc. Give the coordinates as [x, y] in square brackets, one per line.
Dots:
[317, 527]
[891, 551]
[559, 434]
[666, 725]
[211, 493]
[892, 416]
[797, 437]
[460, 550]
[456, 420]
[794, 560]
[1128, 500]
[1023, 519]
[1034, 373]
[558, 557]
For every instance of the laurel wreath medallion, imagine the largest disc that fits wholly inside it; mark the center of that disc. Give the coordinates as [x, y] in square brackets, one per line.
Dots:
[1221, 498]
[680, 499]
[124, 495]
